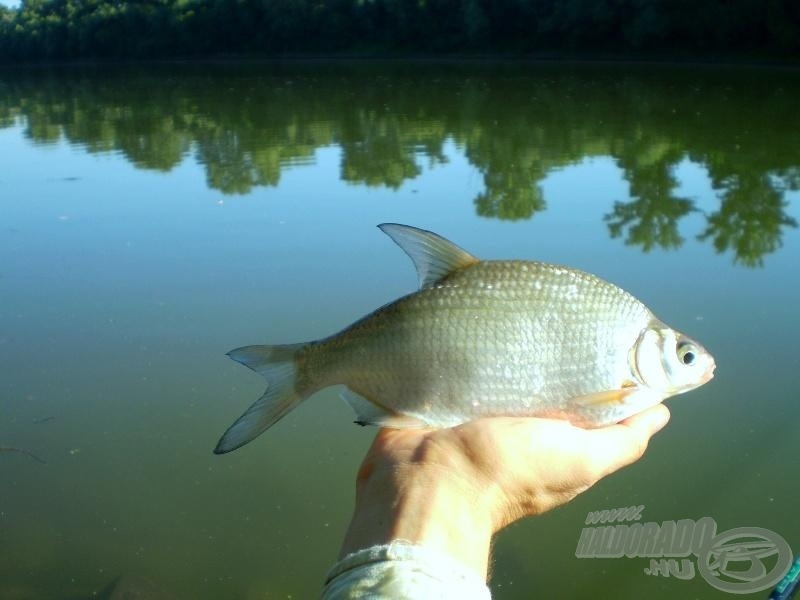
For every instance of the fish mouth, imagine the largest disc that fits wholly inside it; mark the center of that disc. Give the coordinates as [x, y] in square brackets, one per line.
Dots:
[708, 375]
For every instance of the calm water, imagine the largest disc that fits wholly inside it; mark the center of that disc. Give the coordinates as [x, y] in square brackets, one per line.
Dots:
[153, 218]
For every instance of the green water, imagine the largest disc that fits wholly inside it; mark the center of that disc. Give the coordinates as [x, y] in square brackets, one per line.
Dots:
[153, 218]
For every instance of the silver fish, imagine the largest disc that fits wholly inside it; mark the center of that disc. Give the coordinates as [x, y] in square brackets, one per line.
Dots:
[480, 339]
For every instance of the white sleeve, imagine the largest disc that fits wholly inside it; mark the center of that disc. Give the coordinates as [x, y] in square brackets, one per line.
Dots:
[401, 570]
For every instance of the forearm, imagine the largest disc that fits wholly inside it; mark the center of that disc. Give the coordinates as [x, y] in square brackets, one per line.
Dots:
[415, 534]
[424, 506]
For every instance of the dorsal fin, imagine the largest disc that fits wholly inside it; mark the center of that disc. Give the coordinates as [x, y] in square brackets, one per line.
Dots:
[434, 257]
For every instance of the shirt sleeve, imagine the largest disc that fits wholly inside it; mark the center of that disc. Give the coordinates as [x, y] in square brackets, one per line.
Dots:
[402, 570]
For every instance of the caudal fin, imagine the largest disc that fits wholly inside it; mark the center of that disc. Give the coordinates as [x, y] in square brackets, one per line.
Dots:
[277, 365]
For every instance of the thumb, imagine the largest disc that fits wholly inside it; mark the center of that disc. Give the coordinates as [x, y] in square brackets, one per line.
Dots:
[619, 445]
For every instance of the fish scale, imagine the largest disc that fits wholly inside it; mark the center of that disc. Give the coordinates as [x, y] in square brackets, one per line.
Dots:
[506, 345]
[483, 338]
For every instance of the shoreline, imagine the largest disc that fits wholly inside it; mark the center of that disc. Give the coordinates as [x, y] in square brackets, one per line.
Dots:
[787, 63]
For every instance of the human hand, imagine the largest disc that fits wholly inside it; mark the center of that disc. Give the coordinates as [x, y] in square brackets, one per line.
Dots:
[453, 489]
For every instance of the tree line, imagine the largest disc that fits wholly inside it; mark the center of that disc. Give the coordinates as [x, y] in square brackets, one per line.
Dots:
[515, 126]
[136, 29]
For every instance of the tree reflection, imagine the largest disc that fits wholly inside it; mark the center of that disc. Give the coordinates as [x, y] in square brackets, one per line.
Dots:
[651, 218]
[505, 199]
[515, 126]
[750, 220]
[380, 147]
[512, 169]
[378, 156]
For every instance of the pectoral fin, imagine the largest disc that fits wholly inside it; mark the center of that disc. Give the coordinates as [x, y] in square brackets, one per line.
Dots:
[611, 406]
[604, 399]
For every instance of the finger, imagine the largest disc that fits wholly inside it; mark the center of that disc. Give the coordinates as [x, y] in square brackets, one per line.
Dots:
[651, 420]
[614, 447]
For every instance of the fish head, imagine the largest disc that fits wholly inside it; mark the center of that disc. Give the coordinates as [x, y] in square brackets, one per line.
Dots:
[668, 361]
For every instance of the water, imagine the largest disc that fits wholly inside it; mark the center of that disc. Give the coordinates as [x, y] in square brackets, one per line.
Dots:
[153, 218]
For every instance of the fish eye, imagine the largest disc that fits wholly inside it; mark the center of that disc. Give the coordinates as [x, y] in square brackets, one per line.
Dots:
[687, 353]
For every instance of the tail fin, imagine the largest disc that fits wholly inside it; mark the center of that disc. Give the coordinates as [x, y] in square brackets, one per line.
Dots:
[277, 365]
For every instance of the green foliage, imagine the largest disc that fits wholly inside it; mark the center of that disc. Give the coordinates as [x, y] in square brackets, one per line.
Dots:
[515, 125]
[749, 220]
[651, 217]
[125, 29]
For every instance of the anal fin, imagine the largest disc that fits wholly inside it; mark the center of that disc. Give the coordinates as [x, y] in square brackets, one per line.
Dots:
[370, 413]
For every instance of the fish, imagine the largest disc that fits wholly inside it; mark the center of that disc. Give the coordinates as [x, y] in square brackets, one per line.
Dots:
[482, 338]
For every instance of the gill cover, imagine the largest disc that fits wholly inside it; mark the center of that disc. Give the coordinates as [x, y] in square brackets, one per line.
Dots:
[666, 360]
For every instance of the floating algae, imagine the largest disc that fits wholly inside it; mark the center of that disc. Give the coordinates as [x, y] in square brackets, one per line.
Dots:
[22, 451]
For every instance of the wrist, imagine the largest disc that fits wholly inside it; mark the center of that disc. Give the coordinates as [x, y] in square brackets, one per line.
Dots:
[425, 503]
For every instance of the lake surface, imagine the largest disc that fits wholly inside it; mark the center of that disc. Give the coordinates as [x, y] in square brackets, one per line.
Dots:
[153, 218]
